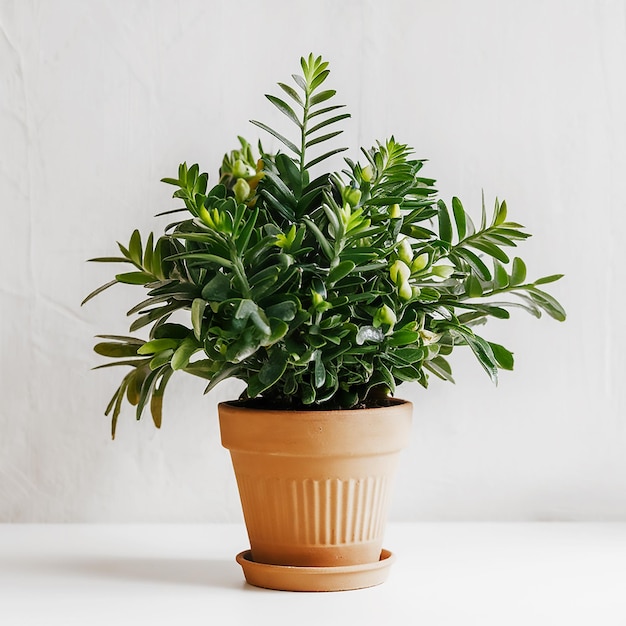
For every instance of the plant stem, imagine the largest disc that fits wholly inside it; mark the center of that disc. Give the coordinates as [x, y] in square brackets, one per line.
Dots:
[305, 119]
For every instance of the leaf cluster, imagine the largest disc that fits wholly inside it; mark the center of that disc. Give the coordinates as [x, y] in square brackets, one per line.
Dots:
[317, 290]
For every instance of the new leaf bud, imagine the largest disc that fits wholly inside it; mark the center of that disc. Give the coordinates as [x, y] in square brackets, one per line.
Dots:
[399, 272]
[405, 251]
[367, 174]
[420, 262]
[239, 169]
[405, 291]
[384, 315]
[241, 190]
[443, 271]
[352, 196]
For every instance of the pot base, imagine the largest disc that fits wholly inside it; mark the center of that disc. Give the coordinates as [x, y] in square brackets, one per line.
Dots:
[297, 578]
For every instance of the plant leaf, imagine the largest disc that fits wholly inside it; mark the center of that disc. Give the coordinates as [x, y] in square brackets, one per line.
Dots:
[518, 272]
[459, 218]
[503, 357]
[321, 158]
[183, 353]
[197, 313]
[548, 279]
[100, 289]
[445, 226]
[284, 108]
[292, 146]
[134, 278]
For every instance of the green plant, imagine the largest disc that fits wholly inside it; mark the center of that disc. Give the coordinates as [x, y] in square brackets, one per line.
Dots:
[316, 291]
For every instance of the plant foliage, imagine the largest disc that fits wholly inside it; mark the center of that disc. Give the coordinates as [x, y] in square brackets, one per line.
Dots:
[316, 291]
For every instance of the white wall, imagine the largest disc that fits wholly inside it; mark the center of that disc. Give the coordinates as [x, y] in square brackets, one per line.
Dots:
[100, 99]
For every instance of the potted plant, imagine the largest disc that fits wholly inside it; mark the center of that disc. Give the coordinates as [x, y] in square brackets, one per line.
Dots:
[322, 291]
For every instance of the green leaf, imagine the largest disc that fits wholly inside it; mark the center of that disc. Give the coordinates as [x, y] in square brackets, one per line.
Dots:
[340, 271]
[100, 289]
[154, 315]
[134, 248]
[501, 278]
[248, 309]
[217, 289]
[327, 249]
[284, 108]
[500, 213]
[161, 358]
[327, 110]
[116, 350]
[109, 259]
[548, 279]
[319, 79]
[147, 389]
[403, 337]
[321, 96]
[328, 122]
[136, 363]
[116, 405]
[148, 253]
[291, 92]
[278, 136]
[503, 357]
[322, 138]
[135, 380]
[149, 302]
[134, 278]
[483, 214]
[440, 367]
[171, 331]
[197, 313]
[243, 237]
[280, 185]
[445, 226]
[157, 345]
[300, 82]
[203, 256]
[157, 258]
[473, 287]
[321, 158]
[278, 330]
[273, 369]
[184, 352]
[123, 338]
[290, 173]
[285, 311]
[282, 210]
[475, 263]
[156, 402]
[224, 373]
[548, 303]
[481, 349]
[490, 249]
[459, 218]
[518, 273]
[487, 309]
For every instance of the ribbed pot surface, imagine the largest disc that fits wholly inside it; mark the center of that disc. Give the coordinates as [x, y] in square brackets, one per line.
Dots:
[314, 486]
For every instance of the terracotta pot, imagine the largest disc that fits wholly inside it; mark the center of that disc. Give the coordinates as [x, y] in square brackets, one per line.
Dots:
[314, 485]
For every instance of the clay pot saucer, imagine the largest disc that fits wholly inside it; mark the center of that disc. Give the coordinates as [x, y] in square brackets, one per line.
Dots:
[297, 578]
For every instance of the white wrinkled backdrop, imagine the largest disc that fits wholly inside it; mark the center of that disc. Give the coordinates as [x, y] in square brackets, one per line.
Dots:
[523, 99]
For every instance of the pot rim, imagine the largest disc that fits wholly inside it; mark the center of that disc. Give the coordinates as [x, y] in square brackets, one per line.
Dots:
[356, 432]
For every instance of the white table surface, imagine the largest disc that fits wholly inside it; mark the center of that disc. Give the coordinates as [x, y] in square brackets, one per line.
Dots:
[454, 573]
